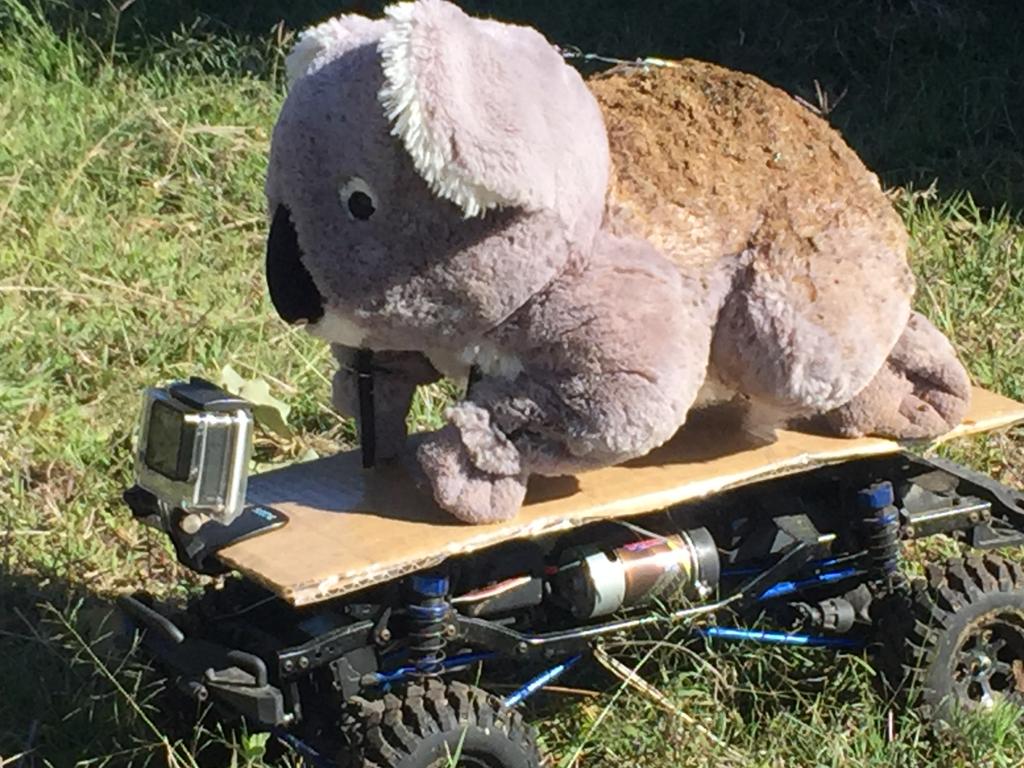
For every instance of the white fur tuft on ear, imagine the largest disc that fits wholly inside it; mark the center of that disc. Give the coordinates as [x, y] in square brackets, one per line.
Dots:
[310, 45]
[403, 101]
[318, 45]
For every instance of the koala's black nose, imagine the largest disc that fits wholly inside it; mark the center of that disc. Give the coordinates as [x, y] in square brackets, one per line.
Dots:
[292, 290]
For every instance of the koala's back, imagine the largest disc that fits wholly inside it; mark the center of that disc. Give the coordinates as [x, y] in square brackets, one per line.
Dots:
[709, 161]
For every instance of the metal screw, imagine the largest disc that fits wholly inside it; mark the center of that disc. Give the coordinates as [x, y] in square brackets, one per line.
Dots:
[191, 524]
[384, 635]
[303, 662]
[522, 649]
[451, 631]
[288, 665]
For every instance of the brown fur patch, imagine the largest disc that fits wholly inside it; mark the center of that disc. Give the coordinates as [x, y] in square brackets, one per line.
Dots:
[708, 162]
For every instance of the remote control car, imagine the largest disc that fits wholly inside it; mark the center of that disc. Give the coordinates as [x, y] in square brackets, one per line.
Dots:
[360, 602]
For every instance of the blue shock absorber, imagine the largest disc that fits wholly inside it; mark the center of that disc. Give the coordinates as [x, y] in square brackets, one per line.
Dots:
[882, 530]
[427, 616]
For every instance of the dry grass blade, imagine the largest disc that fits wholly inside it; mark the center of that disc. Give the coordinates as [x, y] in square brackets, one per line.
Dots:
[632, 679]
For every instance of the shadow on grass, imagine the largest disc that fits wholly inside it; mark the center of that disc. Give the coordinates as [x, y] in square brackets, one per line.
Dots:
[923, 90]
[77, 691]
[56, 706]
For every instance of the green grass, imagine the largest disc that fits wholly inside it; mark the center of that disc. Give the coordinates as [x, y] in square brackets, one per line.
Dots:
[131, 237]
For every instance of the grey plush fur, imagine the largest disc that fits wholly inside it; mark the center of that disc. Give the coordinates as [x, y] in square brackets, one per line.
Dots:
[490, 243]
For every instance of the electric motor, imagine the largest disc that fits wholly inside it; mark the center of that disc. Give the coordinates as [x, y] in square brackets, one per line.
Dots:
[602, 582]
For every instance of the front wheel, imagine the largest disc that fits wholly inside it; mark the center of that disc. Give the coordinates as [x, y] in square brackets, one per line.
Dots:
[436, 725]
[957, 641]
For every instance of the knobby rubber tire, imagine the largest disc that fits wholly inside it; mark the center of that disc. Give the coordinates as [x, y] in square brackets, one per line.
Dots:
[924, 636]
[425, 725]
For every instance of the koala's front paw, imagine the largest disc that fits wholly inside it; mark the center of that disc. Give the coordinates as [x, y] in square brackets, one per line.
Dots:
[451, 458]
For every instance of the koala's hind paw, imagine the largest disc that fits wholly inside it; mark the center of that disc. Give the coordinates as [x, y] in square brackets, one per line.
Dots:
[921, 392]
[450, 459]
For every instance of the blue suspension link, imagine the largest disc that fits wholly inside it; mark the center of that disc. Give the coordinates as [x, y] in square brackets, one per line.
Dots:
[784, 588]
[544, 678]
[449, 664]
[778, 638]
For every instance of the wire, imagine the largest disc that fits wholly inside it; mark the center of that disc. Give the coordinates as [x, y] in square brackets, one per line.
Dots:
[573, 52]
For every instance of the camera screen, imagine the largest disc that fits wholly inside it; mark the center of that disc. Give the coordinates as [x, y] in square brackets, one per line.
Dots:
[169, 442]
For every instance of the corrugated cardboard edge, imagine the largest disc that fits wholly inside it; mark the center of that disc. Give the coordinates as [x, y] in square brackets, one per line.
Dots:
[983, 427]
[346, 582]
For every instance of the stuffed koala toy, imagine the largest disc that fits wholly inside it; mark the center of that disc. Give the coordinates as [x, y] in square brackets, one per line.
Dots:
[446, 192]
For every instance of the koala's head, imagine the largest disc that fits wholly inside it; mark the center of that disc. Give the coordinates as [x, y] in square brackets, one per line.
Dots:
[423, 142]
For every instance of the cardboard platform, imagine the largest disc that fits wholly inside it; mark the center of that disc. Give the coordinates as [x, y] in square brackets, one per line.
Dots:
[349, 527]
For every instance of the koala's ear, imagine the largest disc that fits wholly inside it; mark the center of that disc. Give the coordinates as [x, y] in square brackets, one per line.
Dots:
[324, 42]
[490, 113]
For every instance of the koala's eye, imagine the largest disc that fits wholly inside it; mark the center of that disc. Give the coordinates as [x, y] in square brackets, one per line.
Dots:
[358, 199]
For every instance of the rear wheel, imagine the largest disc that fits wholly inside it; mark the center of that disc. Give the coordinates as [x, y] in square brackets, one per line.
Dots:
[957, 641]
[436, 725]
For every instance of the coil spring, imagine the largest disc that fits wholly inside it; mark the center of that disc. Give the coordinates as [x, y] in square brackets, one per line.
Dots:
[427, 641]
[882, 530]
